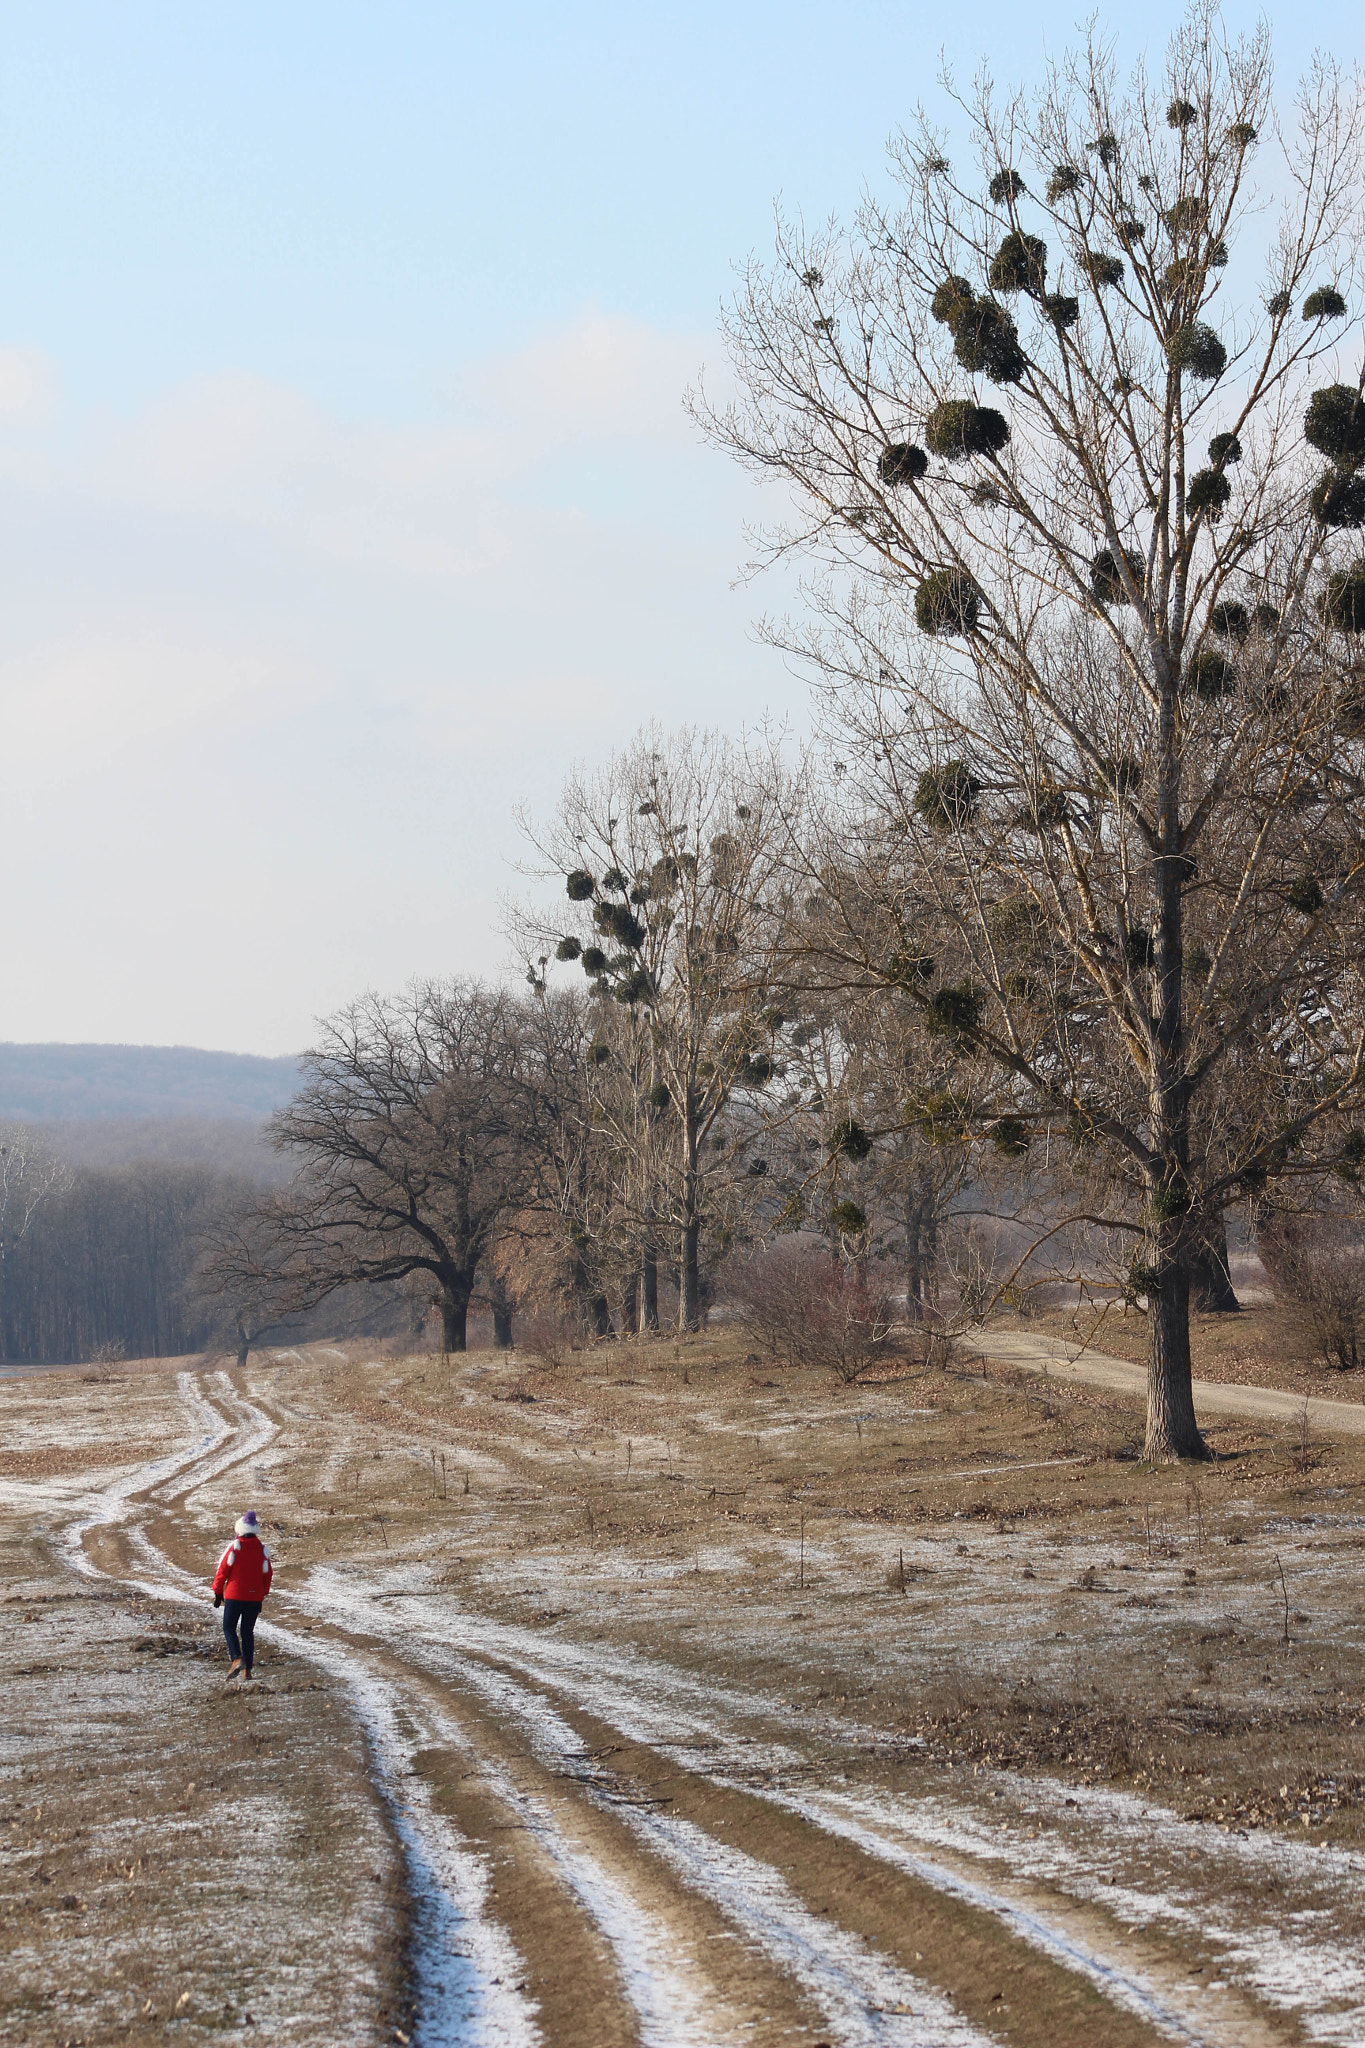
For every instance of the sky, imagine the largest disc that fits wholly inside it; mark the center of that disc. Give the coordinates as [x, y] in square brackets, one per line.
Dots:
[346, 495]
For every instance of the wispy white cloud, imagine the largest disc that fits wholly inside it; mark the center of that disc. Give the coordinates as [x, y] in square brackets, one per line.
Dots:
[260, 656]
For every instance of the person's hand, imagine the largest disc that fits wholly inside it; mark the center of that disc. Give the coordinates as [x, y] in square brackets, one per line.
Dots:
[217, 1599]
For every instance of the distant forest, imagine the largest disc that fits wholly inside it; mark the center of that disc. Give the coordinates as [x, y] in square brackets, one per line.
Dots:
[116, 1162]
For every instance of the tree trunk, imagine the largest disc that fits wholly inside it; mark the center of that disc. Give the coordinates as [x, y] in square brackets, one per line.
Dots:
[502, 1327]
[243, 1344]
[1210, 1275]
[601, 1317]
[1172, 1431]
[689, 1277]
[454, 1313]
[689, 1288]
[649, 1286]
[921, 1254]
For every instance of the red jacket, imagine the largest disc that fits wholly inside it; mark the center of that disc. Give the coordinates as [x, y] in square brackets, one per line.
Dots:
[244, 1570]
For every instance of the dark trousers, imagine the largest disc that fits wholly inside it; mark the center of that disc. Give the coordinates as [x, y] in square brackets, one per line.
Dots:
[243, 1612]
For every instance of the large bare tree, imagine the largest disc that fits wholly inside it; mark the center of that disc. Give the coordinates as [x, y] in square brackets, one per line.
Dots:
[1074, 434]
[415, 1132]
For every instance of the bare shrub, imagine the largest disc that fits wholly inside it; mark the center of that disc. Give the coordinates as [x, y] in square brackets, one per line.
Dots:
[549, 1339]
[805, 1310]
[1318, 1264]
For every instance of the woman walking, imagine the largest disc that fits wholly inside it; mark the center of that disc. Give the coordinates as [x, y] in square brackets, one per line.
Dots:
[240, 1584]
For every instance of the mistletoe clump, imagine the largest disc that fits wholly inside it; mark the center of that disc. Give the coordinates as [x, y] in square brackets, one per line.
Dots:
[1230, 620]
[1343, 602]
[1006, 187]
[1326, 303]
[1338, 500]
[1197, 349]
[902, 463]
[1334, 424]
[1105, 271]
[953, 1012]
[1010, 1136]
[946, 798]
[959, 429]
[1019, 265]
[947, 603]
[1106, 576]
[984, 337]
[1212, 675]
[849, 1140]
[1209, 492]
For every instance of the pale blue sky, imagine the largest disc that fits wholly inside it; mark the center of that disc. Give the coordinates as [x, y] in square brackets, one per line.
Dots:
[345, 495]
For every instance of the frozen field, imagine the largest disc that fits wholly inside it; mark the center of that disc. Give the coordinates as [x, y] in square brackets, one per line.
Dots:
[666, 1700]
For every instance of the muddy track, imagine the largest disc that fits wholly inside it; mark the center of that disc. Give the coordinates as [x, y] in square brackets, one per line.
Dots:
[609, 1851]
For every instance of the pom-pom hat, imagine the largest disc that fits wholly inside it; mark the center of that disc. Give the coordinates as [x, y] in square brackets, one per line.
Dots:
[247, 1525]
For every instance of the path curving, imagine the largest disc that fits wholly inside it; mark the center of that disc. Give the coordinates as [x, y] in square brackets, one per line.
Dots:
[604, 1847]
[1077, 1363]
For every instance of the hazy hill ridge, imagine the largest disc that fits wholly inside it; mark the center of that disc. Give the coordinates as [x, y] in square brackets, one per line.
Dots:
[44, 1084]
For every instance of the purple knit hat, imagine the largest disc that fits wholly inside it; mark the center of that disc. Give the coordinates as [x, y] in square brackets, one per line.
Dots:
[248, 1525]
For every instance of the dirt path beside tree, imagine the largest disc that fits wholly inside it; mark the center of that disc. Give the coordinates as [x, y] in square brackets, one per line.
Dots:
[1055, 1358]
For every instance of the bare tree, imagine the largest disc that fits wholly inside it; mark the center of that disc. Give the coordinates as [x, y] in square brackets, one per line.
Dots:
[668, 856]
[1091, 655]
[30, 1175]
[414, 1130]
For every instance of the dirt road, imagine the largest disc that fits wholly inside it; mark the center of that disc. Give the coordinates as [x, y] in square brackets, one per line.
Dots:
[1079, 1364]
[613, 1837]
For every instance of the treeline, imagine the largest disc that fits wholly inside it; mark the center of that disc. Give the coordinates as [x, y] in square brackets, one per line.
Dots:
[102, 1260]
[108, 1263]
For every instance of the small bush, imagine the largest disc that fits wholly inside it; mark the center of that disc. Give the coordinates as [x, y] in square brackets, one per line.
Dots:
[1317, 1264]
[804, 1310]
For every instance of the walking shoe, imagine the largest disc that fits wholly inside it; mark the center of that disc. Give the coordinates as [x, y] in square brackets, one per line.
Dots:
[234, 1667]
